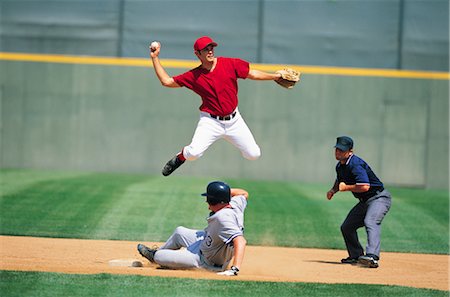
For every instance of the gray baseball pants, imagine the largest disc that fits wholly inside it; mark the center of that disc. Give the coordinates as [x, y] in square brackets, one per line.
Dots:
[367, 214]
[182, 249]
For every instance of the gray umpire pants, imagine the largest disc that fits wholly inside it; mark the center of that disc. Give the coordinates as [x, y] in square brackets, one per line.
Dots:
[367, 214]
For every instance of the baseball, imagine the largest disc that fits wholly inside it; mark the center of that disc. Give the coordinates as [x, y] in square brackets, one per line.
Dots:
[154, 44]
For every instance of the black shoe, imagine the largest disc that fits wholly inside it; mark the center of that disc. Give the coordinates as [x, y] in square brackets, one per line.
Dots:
[171, 165]
[370, 261]
[349, 260]
[146, 252]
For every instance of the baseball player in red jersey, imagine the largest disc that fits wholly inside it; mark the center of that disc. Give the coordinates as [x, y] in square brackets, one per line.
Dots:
[215, 81]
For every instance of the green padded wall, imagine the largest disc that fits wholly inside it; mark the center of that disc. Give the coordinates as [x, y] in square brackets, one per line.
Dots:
[116, 118]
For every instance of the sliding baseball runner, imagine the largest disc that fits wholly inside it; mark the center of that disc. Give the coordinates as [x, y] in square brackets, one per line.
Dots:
[220, 244]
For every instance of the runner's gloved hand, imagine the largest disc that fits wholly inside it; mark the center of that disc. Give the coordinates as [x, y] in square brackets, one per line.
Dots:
[230, 272]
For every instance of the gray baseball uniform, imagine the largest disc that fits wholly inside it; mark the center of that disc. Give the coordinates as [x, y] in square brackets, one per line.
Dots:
[211, 248]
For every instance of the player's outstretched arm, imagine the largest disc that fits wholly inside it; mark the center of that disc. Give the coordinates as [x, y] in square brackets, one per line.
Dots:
[261, 75]
[161, 73]
[239, 244]
[237, 192]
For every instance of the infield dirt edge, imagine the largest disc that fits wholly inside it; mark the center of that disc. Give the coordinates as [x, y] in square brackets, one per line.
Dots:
[279, 264]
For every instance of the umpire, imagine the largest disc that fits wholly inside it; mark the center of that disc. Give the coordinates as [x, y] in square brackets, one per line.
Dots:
[355, 175]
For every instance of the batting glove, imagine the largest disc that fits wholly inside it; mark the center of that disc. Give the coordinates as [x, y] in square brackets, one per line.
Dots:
[230, 272]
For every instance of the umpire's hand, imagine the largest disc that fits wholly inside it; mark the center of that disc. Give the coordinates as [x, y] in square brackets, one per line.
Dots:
[330, 194]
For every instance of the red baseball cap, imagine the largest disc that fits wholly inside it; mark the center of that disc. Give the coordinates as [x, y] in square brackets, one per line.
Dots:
[203, 42]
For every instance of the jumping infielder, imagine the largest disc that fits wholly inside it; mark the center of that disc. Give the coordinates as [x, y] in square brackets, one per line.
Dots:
[355, 175]
[214, 247]
[215, 81]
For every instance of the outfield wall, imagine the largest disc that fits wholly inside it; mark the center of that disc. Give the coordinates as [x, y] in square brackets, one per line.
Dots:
[397, 34]
[120, 119]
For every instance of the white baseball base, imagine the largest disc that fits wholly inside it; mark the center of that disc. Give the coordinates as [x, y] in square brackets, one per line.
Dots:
[125, 263]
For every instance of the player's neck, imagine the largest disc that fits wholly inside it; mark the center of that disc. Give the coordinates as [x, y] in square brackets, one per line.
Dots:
[209, 65]
[220, 206]
[345, 160]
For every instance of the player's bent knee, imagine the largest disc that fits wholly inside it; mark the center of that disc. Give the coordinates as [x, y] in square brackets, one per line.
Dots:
[252, 155]
[372, 224]
[345, 228]
[179, 230]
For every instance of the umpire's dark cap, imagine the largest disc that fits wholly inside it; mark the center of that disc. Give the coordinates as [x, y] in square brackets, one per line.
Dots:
[344, 143]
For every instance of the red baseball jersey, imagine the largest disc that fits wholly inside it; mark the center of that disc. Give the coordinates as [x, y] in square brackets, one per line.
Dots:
[218, 89]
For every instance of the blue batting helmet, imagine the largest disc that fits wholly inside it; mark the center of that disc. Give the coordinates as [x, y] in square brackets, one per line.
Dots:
[217, 192]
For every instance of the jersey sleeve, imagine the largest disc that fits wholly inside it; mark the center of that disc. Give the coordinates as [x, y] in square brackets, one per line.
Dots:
[242, 68]
[239, 202]
[230, 229]
[232, 220]
[184, 79]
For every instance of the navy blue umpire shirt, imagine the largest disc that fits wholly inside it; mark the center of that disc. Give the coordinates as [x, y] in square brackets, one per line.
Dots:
[357, 172]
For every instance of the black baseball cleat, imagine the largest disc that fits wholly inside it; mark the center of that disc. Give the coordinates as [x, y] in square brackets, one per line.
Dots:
[368, 261]
[349, 260]
[171, 166]
[147, 252]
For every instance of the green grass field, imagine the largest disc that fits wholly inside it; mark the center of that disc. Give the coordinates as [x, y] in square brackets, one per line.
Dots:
[148, 208]
[51, 284]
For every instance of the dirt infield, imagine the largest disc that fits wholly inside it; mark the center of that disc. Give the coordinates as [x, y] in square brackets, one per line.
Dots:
[260, 263]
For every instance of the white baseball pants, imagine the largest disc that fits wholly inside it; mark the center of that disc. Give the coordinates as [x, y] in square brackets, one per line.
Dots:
[234, 131]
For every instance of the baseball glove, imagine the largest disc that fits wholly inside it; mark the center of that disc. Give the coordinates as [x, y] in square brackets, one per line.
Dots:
[289, 77]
